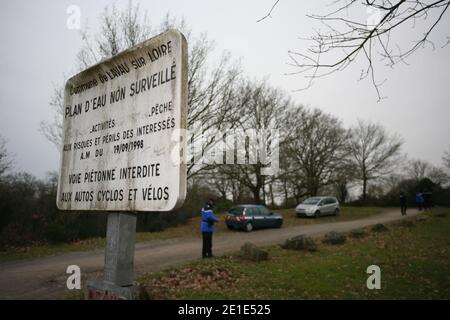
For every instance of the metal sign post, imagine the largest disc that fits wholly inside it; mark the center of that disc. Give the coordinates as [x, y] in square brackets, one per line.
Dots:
[119, 260]
[124, 146]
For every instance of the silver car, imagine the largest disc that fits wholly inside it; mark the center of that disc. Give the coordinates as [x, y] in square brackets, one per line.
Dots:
[318, 206]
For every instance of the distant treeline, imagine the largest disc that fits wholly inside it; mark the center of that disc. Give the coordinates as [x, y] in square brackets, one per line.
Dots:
[29, 214]
[440, 196]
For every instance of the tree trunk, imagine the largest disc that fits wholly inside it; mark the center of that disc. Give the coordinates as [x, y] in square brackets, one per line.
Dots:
[364, 195]
[285, 195]
[342, 190]
[256, 196]
[264, 193]
[272, 200]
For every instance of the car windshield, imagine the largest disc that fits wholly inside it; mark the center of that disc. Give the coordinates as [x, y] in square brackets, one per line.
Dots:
[237, 211]
[312, 201]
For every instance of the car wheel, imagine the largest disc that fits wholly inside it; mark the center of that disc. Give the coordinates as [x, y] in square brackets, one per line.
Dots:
[249, 227]
[316, 214]
[336, 212]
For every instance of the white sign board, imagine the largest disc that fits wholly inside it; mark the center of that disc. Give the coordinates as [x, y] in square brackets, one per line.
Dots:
[122, 148]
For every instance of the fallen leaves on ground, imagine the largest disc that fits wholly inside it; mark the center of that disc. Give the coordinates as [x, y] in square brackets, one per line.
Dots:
[202, 278]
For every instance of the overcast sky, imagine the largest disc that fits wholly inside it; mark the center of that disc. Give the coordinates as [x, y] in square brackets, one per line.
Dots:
[38, 49]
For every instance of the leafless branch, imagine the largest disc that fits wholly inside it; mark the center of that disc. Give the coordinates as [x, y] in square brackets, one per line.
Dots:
[350, 38]
[270, 12]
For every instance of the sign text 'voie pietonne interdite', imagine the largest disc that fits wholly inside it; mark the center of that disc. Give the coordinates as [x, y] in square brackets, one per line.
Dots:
[123, 131]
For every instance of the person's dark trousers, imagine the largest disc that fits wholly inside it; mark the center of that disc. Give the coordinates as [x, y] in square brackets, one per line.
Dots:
[207, 245]
[403, 208]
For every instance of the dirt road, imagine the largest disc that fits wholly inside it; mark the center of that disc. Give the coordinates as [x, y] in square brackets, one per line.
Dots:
[44, 278]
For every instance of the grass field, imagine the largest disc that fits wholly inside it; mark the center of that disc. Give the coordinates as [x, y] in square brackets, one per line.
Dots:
[191, 229]
[414, 259]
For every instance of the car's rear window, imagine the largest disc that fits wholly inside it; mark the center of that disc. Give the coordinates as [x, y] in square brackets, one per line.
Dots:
[264, 211]
[237, 211]
[311, 201]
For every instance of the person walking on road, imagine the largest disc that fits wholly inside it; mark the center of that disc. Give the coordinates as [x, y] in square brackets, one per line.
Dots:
[427, 200]
[207, 227]
[403, 203]
[419, 200]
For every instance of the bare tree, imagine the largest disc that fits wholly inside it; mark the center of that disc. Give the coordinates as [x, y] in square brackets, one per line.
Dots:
[263, 108]
[344, 176]
[418, 169]
[286, 184]
[438, 175]
[5, 159]
[446, 160]
[344, 37]
[118, 32]
[222, 185]
[53, 130]
[290, 182]
[375, 153]
[212, 106]
[318, 148]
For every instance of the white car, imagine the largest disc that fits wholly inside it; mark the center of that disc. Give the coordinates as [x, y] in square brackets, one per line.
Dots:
[318, 206]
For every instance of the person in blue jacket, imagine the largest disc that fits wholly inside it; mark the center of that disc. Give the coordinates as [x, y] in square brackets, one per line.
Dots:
[207, 228]
[419, 200]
